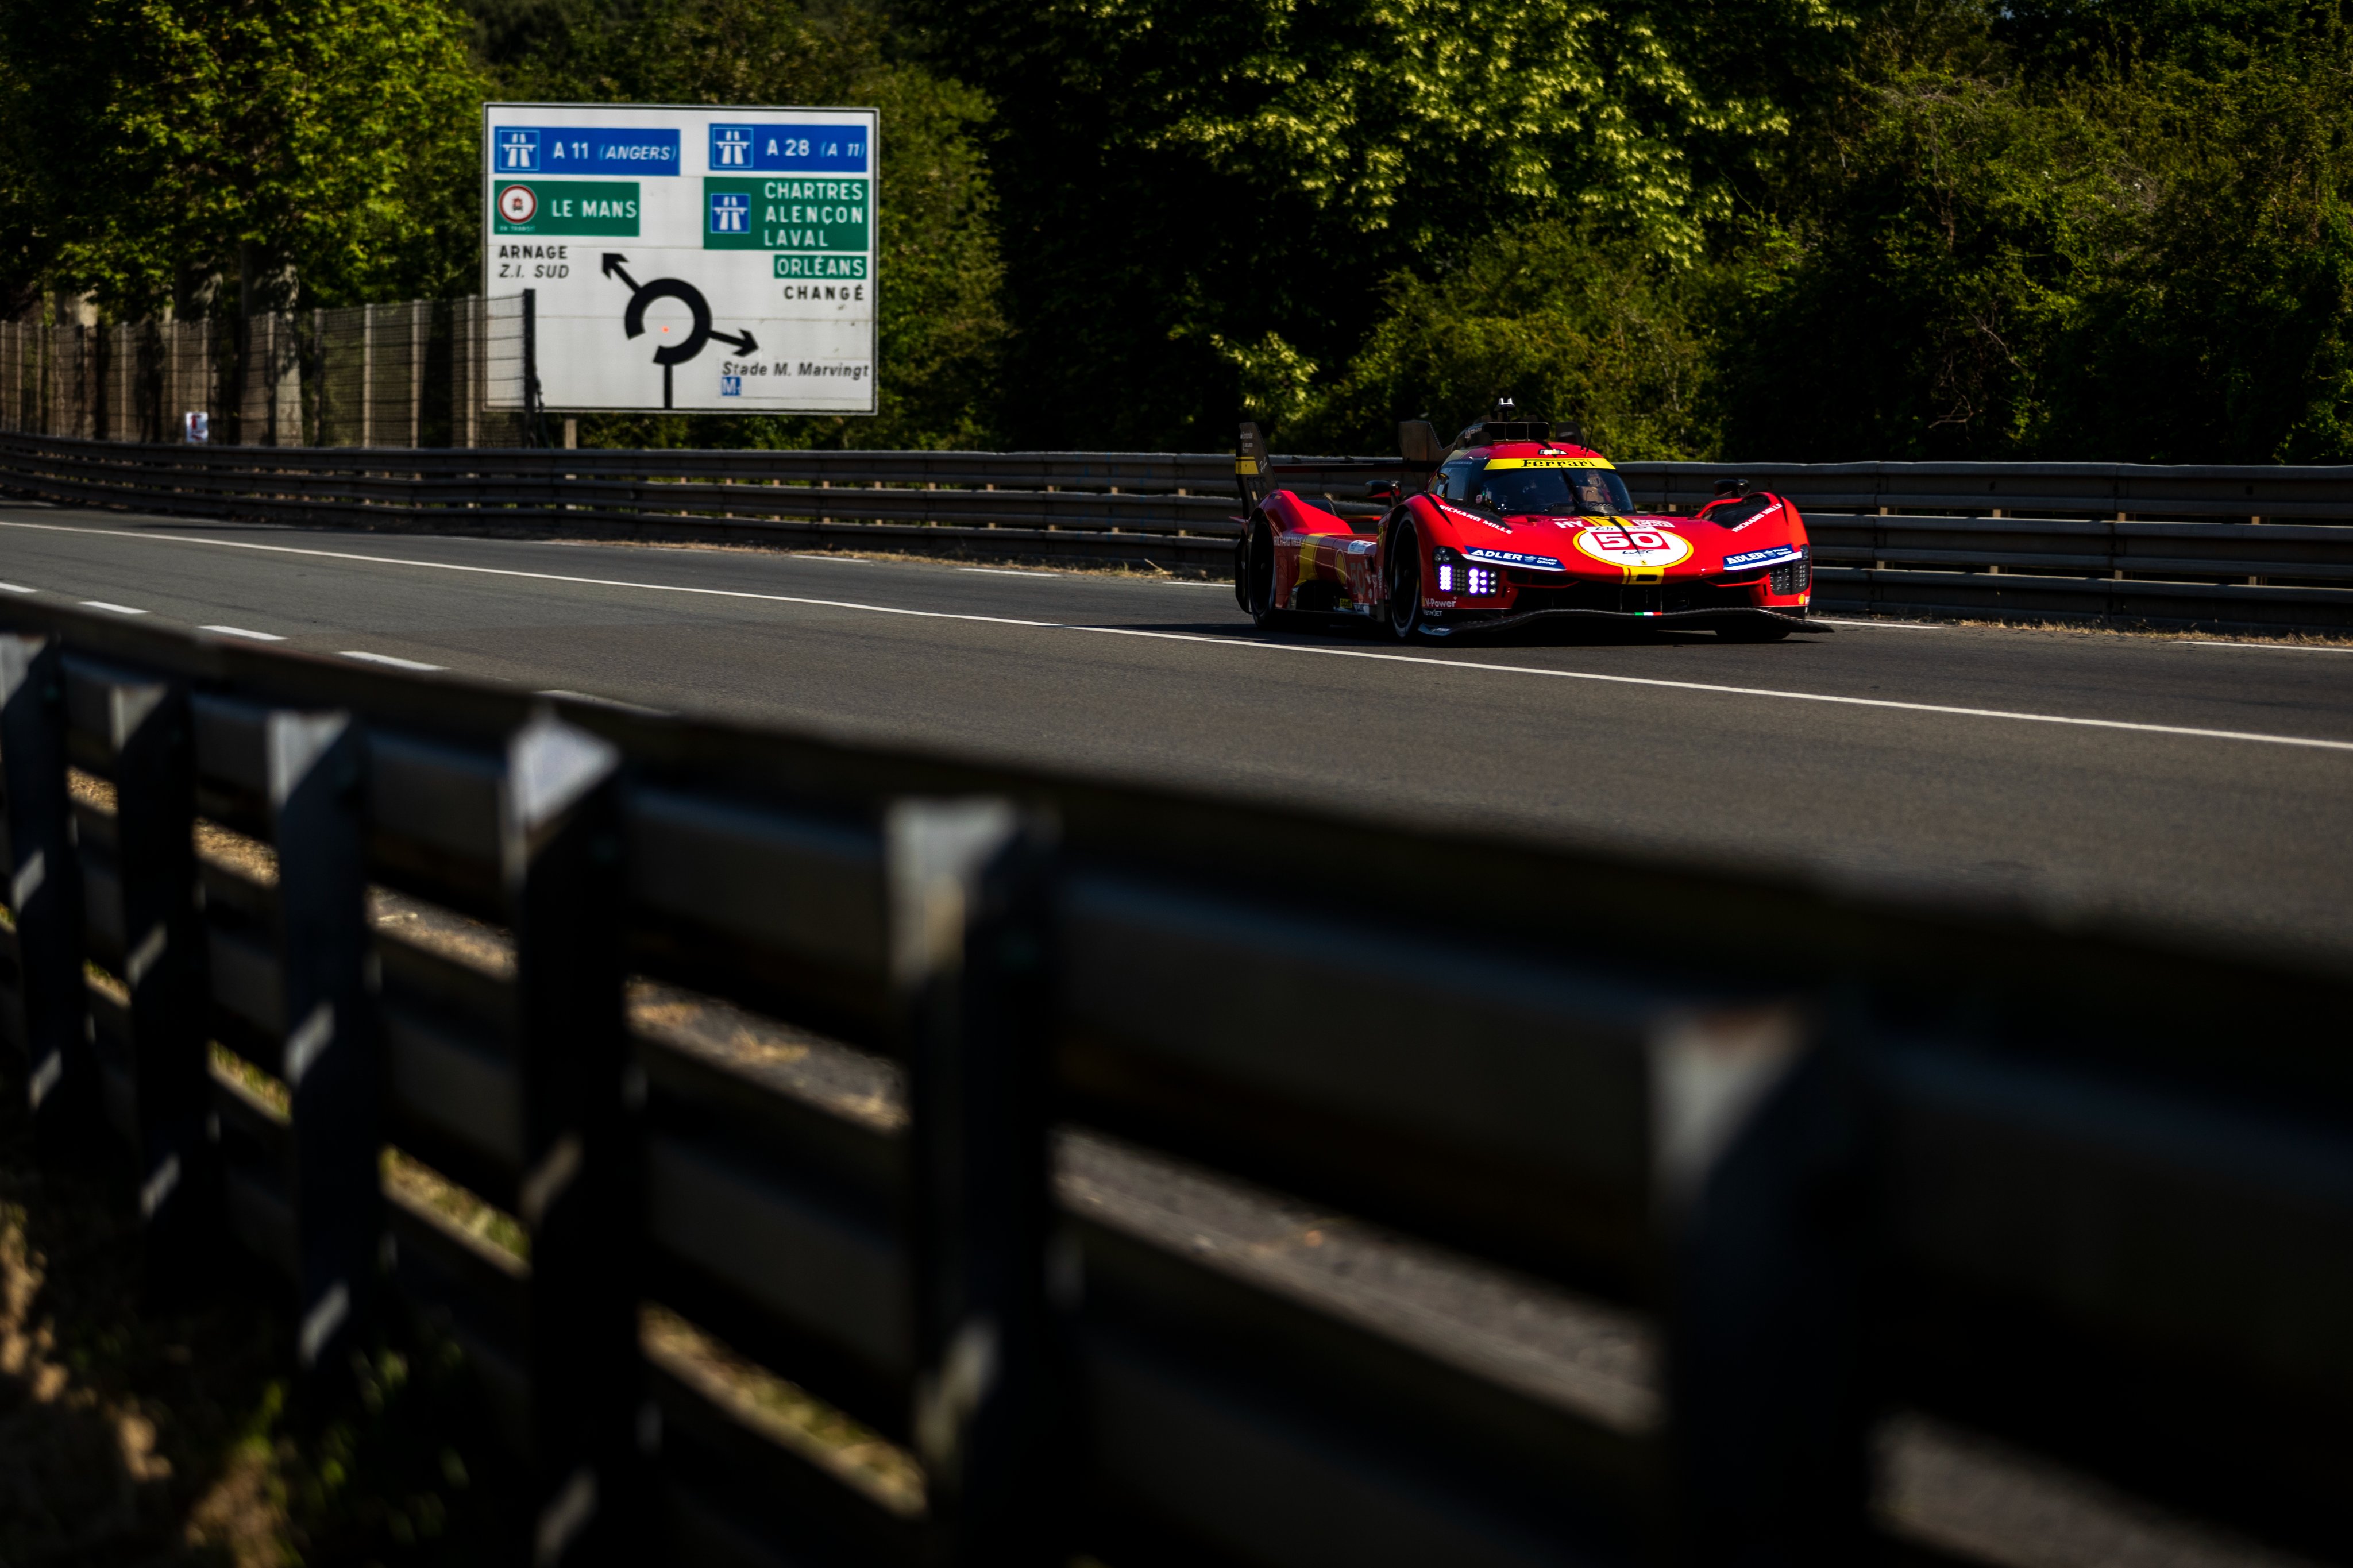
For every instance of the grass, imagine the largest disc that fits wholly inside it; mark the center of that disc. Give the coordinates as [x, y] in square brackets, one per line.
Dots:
[137, 1433]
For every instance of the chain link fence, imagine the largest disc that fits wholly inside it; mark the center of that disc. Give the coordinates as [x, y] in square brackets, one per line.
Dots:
[428, 373]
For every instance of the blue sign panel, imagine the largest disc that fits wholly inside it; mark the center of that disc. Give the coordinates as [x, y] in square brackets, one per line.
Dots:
[518, 149]
[777, 149]
[582, 150]
[731, 212]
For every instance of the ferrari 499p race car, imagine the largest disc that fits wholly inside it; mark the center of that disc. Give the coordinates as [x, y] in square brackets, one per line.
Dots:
[1519, 522]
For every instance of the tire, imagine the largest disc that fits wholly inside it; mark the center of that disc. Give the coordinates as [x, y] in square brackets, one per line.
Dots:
[1754, 631]
[1256, 576]
[1402, 599]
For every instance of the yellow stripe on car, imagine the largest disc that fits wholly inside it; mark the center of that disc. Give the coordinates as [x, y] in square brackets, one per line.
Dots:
[1494, 463]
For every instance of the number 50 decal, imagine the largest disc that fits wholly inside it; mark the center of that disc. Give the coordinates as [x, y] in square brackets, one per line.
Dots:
[1650, 547]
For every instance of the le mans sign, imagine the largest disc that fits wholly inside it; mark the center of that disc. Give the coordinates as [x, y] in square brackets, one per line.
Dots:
[705, 258]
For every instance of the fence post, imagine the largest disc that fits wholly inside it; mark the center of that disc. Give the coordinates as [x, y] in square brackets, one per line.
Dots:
[561, 844]
[467, 374]
[1754, 1145]
[367, 375]
[61, 1081]
[330, 1057]
[143, 724]
[970, 950]
[416, 373]
[533, 436]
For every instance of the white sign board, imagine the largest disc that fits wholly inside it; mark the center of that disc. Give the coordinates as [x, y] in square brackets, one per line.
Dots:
[692, 258]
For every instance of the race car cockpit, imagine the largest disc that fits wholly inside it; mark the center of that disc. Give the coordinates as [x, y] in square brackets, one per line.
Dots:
[1519, 487]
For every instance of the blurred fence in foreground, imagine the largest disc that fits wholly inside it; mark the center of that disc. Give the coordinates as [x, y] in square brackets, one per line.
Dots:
[2086, 1190]
[429, 373]
[2238, 549]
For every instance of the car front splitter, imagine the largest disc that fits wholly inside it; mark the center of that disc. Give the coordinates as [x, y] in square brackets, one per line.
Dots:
[1703, 619]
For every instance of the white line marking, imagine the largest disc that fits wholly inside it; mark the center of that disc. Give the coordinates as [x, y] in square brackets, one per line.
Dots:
[16, 588]
[241, 632]
[1011, 571]
[2268, 647]
[118, 609]
[1236, 643]
[387, 658]
[1882, 625]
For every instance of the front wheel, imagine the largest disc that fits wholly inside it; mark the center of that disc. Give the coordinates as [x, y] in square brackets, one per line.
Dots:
[1404, 585]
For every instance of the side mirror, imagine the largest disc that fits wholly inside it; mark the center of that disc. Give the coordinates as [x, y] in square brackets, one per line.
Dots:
[1383, 490]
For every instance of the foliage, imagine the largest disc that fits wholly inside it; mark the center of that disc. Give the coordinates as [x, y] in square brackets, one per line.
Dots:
[1563, 320]
[1194, 190]
[1768, 228]
[161, 149]
[1996, 251]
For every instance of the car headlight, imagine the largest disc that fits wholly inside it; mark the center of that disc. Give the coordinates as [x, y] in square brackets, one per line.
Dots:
[1456, 575]
[1796, 577]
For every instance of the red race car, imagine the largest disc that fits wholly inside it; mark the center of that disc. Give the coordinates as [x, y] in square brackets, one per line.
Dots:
[1520, 523]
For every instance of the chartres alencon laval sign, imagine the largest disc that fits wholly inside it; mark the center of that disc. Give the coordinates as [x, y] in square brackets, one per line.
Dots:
[687, 258]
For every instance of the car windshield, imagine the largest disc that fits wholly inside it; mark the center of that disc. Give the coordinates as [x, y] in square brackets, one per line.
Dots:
[1558, 492]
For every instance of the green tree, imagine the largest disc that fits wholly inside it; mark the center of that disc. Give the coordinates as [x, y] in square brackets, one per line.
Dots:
[1569, 324]
[2011, 238]
[166, 150]
[1193, 194]
[2224, 332]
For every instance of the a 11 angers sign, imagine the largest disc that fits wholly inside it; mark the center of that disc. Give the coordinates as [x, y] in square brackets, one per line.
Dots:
[703, 258]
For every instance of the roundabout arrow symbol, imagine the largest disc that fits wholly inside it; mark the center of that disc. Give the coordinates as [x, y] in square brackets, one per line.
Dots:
[699, 332]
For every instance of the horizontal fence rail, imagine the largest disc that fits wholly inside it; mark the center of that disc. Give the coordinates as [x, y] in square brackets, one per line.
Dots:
[2237, 548]
[2087, 1189]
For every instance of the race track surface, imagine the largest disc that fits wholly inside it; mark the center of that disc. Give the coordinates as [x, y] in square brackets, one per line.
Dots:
[2180, 783]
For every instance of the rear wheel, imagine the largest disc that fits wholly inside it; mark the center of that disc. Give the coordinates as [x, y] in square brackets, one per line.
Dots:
[1404, 585]
[1258, 575]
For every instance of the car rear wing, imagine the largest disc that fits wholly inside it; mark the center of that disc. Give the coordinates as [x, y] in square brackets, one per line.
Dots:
[1258, 473]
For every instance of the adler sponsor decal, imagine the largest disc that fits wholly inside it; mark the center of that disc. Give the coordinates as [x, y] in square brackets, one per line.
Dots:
[1513, 557]
[1776, 556]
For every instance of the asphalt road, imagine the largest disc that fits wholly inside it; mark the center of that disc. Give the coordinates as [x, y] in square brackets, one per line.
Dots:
[2202, 783]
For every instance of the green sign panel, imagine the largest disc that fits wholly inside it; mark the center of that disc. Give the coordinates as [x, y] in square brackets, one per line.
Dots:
[827, 268]
[811, 216]
[566, 206]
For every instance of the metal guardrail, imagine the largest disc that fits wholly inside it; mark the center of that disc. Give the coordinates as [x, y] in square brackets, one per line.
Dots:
[2086, 1189]
[2244, 548]
[2110, 541]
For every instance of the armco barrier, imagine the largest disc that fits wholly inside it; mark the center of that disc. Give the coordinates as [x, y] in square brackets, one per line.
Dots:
[2246, 548]
[2087, 1190]
[2233, 548]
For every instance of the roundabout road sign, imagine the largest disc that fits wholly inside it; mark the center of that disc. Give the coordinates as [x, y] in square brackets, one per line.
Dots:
[686, 259]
